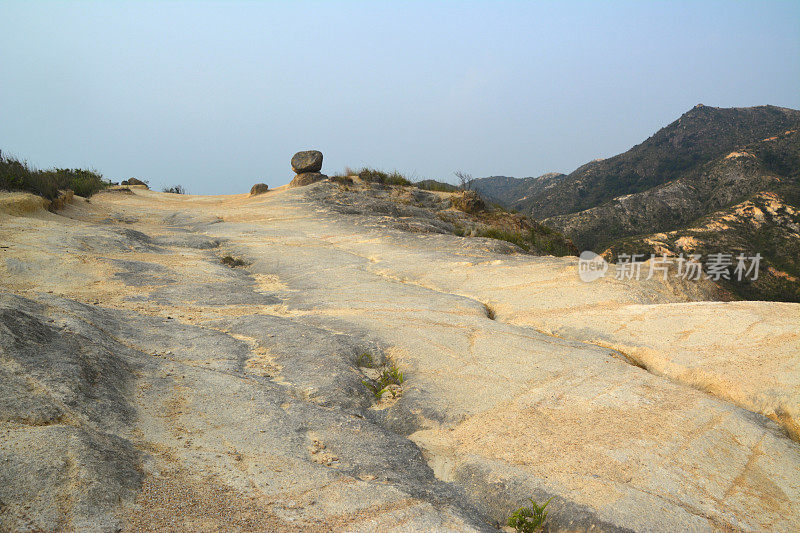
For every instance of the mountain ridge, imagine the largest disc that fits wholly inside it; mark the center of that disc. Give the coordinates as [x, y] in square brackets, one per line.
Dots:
[698, 167]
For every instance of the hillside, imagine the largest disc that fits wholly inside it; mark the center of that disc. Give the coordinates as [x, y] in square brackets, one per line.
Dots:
[700, 135]
[697, 169]
[511, 191]
[336, 357]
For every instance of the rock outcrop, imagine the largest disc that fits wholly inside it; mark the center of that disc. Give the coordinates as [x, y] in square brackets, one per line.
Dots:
[307, 178]
[146, 386]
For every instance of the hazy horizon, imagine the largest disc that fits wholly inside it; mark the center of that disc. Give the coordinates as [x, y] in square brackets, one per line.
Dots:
[218, 96]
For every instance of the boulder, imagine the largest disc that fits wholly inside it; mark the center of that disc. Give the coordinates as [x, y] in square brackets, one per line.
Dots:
[259, 188]
[308, 161]
[307, 178]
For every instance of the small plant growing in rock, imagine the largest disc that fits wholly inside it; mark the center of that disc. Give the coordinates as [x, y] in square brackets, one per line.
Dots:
[389, 379]
[364, 360]
[375, 388]
[391, 375]
[528, 519]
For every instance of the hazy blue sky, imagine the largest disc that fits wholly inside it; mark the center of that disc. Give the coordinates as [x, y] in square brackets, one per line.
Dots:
[217, 96]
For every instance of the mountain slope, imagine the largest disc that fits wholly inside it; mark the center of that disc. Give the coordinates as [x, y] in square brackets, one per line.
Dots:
[511, 191]
[715, 181]
[697, 137]
[768, 165]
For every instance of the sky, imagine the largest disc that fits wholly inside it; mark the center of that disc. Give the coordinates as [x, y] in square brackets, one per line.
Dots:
[218, 96]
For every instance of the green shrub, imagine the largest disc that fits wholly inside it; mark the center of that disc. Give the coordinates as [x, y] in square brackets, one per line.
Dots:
[513, 237]
[175, 189]
[15, 175]
[538, 239]
[372, 175]
[528, 519]
[433, 185]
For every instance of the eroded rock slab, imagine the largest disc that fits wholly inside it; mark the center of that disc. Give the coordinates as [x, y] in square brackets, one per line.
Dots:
[199, 396]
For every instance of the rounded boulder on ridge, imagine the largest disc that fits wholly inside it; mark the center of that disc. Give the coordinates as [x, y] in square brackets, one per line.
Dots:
[259, 188]
[308, 161]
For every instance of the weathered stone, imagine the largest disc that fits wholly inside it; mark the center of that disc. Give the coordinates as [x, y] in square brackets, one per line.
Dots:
[259, 188]
[308, 161]
[307, 178]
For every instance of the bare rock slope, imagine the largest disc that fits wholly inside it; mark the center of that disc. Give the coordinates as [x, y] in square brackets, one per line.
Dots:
[148, 386]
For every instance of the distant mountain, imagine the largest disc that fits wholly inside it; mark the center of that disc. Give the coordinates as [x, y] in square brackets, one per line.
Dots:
[715, 180]
[511, 192]
[697, 137]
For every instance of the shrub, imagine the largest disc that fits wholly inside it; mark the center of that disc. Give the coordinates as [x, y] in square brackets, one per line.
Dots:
[528, 519]
[433, 185]
[538, 239]
[465, 180]
[17, 176]
[135, 181]
[514, 237]
[341, 178]
[372, 175]
[175, 189]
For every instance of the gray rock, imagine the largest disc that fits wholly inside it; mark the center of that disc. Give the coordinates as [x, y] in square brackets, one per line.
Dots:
[259, 188]
[307, 178]
[308, 161]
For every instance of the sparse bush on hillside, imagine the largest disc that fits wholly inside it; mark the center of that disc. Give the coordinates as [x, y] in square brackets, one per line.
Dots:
[437, 186]
[135, 181]
[372, 175]
[175, 189]
[341, 178]
[15, 175]
[464, 180]
[537, 239]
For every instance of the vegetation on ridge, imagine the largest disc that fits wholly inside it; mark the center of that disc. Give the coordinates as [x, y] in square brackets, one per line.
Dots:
[16, 175]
